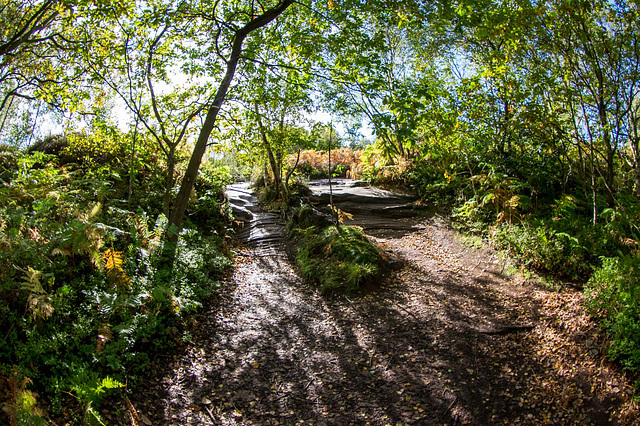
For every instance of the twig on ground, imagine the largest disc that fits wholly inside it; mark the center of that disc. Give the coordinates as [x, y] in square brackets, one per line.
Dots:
[506, 329]
[455, 399]
[210, 413]
[477, 264]
[135, 418]
[307, 386]
[403, 309]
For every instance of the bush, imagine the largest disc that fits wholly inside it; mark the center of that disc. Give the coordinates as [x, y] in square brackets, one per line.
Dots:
[339, 257]
[613, 295]
[434, 186]
[83, 298]
[210, 212]
[379, 169]
[305, 217]
[315, 164]
[541, 248]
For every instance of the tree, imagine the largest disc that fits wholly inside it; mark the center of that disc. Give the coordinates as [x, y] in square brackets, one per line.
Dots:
[150, 55]
[42, 47]
[372, 68]
[277, 94]
[236, 40]
[596, 50]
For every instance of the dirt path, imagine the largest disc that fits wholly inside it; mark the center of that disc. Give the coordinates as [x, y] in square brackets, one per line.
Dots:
[444, 338]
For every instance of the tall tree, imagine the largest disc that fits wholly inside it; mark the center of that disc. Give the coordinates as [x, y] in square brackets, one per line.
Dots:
[277, 92]
[42, 45]
[146, 75]
[596, 48]
[257, 18]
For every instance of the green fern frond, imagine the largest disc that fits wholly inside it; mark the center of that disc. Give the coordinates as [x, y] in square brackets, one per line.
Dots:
[109, 383]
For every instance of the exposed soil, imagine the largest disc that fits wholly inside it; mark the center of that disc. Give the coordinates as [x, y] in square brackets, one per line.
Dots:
[445, 337]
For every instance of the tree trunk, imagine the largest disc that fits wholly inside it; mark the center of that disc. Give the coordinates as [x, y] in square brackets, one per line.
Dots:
[334, 213]
[6, 113]
[293, 169]
[132, 160]
[505, 138]
[180, 205]
[273, 163]
[610, 152]
[634, 142]
[168, 183]
[594, 191]
[635, 162]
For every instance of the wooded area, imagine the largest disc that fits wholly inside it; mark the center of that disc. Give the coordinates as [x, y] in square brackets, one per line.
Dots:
[121, 122]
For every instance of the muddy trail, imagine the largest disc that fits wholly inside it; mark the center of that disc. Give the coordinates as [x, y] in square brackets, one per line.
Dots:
[445, 337]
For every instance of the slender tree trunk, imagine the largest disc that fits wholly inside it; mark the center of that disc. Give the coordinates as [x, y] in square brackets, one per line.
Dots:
[168, 183]
[273, 161]
[609, 175]
[594, 192]
[636, 172]
[175, 221]
[505, 139]
[334, 215]
[634, 142]
[399, 144]
[635, 162]
[33, 128]
[6, 114]
[275, 169]
[293, 169]
[265, 173]
[132, 160]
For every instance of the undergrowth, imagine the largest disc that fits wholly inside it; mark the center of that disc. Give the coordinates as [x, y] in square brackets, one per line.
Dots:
[613, 295]
[84, 300]
[270, 197]
[334, 257]
[314, 164]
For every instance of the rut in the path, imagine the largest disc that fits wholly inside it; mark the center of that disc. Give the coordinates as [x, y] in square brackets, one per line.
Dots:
[408, 350]
[260, 230]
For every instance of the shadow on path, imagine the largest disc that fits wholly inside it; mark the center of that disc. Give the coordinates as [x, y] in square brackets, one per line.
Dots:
[413, 349]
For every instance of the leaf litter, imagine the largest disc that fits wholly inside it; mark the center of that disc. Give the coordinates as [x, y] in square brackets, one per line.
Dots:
[413, 348]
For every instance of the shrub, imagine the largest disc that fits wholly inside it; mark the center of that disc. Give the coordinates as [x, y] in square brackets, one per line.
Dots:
[315, 164]
[82, 298]
[339, 257]
[210, 212]
[434, 185]
[542, 248]
[380, 169]
[613, 295]
[305, 217]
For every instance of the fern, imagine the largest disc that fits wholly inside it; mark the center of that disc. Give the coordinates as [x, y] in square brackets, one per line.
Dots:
[61, 252]
[342, 215]
[38, 301]
[113, 261]
[22, 405]
[113, 264]
[81, 238]
[90, 391]
[109, 383]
